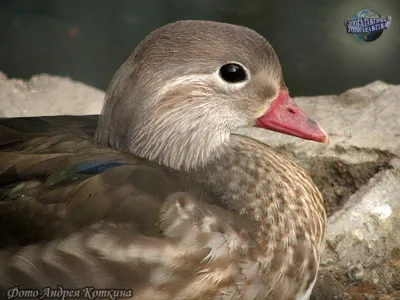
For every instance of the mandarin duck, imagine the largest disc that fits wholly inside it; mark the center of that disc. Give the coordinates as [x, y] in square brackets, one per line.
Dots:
[158, 194]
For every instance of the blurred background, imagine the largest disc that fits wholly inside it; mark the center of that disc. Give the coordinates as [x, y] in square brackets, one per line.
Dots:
[88, 40]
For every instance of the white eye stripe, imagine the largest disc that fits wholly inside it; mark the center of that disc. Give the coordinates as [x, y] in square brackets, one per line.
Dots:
[228, 86]
[199, 79]
[203, 80]
[206, 81]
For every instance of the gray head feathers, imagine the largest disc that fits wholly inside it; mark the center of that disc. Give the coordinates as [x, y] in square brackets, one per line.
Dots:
[167, 103]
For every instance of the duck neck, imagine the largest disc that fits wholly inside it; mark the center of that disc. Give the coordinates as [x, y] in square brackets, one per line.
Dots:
[268, 189]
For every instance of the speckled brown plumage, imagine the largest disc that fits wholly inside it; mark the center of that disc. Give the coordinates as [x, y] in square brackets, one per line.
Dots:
[86, 206]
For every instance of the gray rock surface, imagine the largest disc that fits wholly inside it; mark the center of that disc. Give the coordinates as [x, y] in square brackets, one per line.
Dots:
[358, 173]
[47, 95]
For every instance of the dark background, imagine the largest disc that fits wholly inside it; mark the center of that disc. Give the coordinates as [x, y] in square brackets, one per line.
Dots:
[88, 40]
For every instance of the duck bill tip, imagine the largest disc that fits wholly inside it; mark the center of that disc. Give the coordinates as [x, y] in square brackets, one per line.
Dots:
[286, 117]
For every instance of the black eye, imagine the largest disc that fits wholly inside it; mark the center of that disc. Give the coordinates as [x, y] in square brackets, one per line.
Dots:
[232, 73]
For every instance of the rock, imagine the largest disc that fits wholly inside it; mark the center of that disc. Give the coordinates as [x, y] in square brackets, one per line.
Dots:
[47, 95]
[358, 174]
[356, 272]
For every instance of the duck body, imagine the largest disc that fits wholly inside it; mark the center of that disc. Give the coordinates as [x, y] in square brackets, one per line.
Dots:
[81, 206]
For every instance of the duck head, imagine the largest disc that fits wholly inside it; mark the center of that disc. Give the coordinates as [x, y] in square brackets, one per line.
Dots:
[188, 86]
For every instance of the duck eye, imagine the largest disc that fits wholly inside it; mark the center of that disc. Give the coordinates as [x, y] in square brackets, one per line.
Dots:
[232, 73]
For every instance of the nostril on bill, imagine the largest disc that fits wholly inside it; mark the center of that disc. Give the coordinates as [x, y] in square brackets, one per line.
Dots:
[312, 122]
[291, 110]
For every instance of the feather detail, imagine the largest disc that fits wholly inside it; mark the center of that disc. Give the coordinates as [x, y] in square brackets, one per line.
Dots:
[105, 218]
